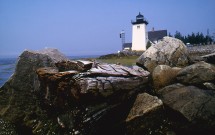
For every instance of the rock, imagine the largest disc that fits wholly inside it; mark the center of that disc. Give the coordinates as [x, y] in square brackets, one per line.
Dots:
[54, 54]
[170, 51]
[195, 105]
[18, 101]
[145, 113]
[169, 88]
[197, 74]
[164, 75]
[25, 77]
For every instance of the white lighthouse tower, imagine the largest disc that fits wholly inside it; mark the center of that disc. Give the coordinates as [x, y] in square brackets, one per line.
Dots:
[139, 34]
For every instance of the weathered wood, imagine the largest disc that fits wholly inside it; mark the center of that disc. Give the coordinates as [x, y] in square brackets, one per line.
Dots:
[67, 65]
[52, 74]
[106, 86]
[85, 63]
[210, 58]
[79, 65]
[116, 70]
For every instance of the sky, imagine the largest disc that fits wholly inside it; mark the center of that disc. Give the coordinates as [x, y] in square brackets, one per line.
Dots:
[92, 27]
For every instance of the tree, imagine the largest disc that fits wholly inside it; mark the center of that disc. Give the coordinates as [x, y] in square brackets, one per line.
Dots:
[197, 38]
[208, 39]
[178, 35]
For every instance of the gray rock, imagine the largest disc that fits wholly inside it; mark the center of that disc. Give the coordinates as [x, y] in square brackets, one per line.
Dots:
[196, 105]
[18, 100]
[145, 112]
[25, 77]
[197, 73]
[54, 54]
[170, 88]
[170, 51]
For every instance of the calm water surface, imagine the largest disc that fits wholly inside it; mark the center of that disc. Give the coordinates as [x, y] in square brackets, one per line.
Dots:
[7, 67]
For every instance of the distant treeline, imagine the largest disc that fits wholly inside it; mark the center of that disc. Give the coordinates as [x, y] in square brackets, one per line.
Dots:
[194, 38]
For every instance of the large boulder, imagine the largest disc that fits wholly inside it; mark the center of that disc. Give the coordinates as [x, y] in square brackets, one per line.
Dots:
[170, 51]
[18, 101]
[145, 113]
[197, 74]
[164, 75]
[194, 105]
[25, 77]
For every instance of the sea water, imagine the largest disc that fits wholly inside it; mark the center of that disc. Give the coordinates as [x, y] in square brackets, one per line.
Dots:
[7, 67]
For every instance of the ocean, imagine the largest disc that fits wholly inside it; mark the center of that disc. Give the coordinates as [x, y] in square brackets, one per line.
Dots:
[7, 67]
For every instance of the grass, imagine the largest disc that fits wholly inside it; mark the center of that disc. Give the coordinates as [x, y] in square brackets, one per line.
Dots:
[126, 61]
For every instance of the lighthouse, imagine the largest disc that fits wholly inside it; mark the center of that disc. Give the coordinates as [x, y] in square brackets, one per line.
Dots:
[139, 34]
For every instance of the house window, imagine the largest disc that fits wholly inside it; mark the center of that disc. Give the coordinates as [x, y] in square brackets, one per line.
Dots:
[138, 26]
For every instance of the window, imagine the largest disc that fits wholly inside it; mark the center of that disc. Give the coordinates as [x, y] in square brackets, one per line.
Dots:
[138, 26]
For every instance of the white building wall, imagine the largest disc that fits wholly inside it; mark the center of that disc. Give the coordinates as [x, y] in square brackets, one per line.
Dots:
[139, 37]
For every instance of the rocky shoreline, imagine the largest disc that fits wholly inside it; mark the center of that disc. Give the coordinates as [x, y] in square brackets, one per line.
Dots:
[168, 93]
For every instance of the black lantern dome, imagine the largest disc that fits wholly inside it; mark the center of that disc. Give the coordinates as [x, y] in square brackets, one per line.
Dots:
[140, 19]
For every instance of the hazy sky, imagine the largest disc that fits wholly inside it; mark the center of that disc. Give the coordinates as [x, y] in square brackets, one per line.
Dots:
[88, 27]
